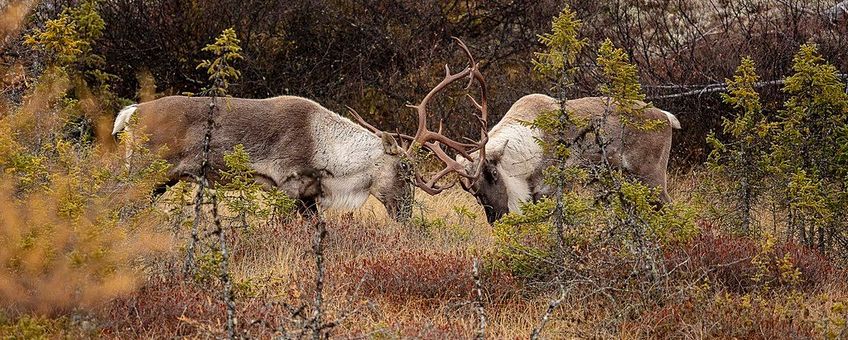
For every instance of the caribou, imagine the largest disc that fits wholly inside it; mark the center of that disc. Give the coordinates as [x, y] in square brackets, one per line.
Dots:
[318, 157]
[512, 170]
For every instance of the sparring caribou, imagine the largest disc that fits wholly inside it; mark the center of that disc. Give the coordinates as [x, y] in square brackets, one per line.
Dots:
[512, 169]
[310, 153]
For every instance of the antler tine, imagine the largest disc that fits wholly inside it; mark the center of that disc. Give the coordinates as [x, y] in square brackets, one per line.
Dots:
[466, 50]
[375, 130]
[471, 61]
[475, 74]
[430, 186]
[478, 106]
[434, 140]
[362, 122]
[483, 119]
[422, 135]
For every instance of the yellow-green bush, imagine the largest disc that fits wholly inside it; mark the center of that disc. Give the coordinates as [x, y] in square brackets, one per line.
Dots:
[797, 157]
[75, 218]
[72, 219]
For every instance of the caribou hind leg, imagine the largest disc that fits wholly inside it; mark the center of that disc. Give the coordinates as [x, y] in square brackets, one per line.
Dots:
[307, 207]
[305, 186]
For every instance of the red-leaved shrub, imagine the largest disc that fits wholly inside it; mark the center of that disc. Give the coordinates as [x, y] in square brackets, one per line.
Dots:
[726, 316]
[421, 275]
[742, 263]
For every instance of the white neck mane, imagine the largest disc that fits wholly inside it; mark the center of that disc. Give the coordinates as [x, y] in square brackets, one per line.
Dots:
[348, 152]
[521, 155]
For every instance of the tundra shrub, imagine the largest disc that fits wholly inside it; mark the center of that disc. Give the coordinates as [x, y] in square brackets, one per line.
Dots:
[805, 158]
[73, 223]
[742, 160]
[66, 43]
[797, 157]
[75, 218]
[593, 206]
[246, 200]
[525, 243]
[68, 39]
[421, 275]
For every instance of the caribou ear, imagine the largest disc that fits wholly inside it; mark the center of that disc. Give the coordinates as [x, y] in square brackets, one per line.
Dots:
[496, 154]
[390, 145]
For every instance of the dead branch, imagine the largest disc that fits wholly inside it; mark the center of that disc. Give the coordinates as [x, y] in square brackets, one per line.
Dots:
[699, 90]
[481, 312]
[318, 250]
[551, 307]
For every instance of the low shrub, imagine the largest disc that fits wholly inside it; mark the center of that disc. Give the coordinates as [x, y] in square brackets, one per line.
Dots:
[745, 316]
[173, 307]
[742, 264]
[422, 275]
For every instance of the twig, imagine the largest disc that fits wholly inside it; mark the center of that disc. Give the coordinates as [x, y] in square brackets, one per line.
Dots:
[698, 90]
[224, 274]
[481, 312]
[551, 307]
[318, 248]
[203, 183]
[188, 266]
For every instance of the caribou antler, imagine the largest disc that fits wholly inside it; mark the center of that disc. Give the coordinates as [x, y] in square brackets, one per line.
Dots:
[433, 141]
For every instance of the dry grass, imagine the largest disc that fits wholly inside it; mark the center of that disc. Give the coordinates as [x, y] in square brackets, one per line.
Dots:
[415, 281]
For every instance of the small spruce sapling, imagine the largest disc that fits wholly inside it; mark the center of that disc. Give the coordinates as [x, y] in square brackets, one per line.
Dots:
[67, 45]
[240, 192]
[558, 63]
[226, 51]
[633, 204]
[533, 243]
[805, 158]
[741, 160]
[68, 39]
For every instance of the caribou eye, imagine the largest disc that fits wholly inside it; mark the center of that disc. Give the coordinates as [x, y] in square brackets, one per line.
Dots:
[405, 166]
[491, 174]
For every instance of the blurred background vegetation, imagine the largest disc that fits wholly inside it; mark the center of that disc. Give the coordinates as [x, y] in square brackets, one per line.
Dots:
[377, 55]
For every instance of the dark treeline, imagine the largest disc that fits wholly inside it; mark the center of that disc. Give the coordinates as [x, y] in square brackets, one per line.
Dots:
[377, 55]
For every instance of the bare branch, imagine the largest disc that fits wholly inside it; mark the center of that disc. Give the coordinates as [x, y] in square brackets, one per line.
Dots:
[698, 90]
[318, 250]
[481, 312]
[551, 307]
